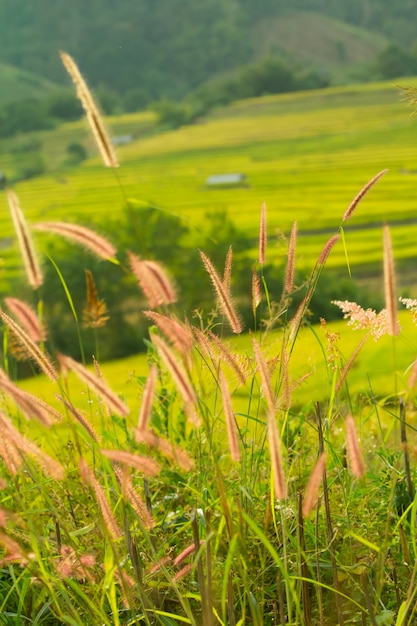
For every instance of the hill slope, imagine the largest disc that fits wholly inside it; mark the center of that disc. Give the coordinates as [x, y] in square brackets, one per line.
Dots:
[21, 85]
[171, 50]
[314, 38]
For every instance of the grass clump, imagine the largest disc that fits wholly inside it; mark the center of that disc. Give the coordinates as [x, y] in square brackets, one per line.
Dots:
[195, 512]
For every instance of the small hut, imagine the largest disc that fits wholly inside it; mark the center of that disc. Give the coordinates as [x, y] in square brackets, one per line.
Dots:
[226, 180]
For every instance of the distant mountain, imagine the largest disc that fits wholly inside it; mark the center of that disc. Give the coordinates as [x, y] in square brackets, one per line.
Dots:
[167, 48]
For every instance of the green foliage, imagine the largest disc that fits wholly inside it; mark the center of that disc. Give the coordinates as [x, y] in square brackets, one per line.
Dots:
[136, 99]
[22, 117]
[76, 153]
[172, 114]
[394, 62]
[29, 166]
[64, 105]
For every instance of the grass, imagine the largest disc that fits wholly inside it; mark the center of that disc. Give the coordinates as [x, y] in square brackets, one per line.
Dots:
[257, 479]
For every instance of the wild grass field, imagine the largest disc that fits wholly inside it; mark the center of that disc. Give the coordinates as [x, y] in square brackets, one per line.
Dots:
[223, 478]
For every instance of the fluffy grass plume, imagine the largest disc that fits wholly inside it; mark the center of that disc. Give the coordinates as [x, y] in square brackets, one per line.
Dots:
[81, 235]
[280, 484]
[147, 399]
[80, 418]
[40, 358]
[110, 522]
[313, 486]
[356, 462]
[389, 283]
[96, 384]
[142, 463]
[94, 118]
[153, 281]
[178, 374]
[27, 317]
[289, 277]
[27, 249]
[262, 234]
[223, 296]
[95, 312]
[232, 432]
[165, 447]
[361, 194]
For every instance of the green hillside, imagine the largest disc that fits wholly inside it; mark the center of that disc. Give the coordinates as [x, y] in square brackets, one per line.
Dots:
[326, 42]
[21, 85]
[307, 155]
[171, 51]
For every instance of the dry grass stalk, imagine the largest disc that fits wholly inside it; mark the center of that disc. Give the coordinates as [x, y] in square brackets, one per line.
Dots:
[27, 318]
[175, 369]
[132, 496]
[184, 571]
[92, 113]
[81, 235]
[262, 235]
[286, 387]
[96, 384]
[166, 448]
[10, 455]
[327, 248]
[296, 321]
[361, 194]
[289, 278]
[256, 290]
[109, 520]
[30, 346]
[232, 432]
[13, 548]
[233, 360]
[160, 564]
[389, 283]
[152, 280]
[227, 274]
[31, 405]
[95, 313]
[356, 462]
[223, 296]
[346, 368]
[79, 417]
[179, 334]
[185, 553]
[265, 376]
[147, 399]
[313, 485]
[71, 565]
[30, 260]
[48, 464]
[280, 485]
[142, 463]
[206, 345]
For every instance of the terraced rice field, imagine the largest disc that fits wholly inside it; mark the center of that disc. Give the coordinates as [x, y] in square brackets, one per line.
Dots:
[306, 154]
